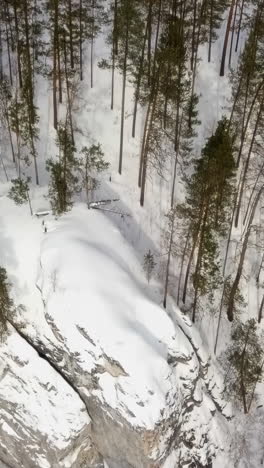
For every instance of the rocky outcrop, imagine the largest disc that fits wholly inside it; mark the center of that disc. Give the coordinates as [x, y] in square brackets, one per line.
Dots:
[131, 388]
[43, 423]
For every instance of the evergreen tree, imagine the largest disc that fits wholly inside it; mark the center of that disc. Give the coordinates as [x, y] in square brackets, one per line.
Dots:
[64, 180]
[91, 163]
[6, 302]
[209, 191]
[149, 264]
[244, 362]
[19, 192]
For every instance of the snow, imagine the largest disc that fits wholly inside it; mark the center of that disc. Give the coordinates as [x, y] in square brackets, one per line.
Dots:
[92, 283]
[95, 289]
[35, 399]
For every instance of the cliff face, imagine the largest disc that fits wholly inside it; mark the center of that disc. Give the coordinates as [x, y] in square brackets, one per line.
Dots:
[102, 375]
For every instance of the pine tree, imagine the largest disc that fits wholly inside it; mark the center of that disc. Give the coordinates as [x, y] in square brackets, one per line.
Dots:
[91, 163]
[19, 192]
[6, 302]
[244, 361]
[64, 179]
[149, 265]
[209, 191]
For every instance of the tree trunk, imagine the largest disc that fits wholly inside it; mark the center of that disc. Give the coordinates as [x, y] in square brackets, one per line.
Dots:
[239, 24]
[198, 262]
[70, 33]
[260, 312]
[138, 84]
[193, 33]
[232, 35]
[156, 43]
[168, 264]
[59, 70]
[92, 43]
[81, 39]
[9, 55]
[242, 381]
[188, 269]
[182, 263]
[146, 147]
[247, 162]
[210, 30]
[18, 46]
[149, 40]
[219, 318]
[68, 88]
[123, 100]
[231, 302]
[245, 127]
[228, 26]
[252, 192]
[143, 144]
[54, 71]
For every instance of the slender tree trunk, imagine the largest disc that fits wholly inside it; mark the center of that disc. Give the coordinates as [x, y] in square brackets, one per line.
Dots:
[143, 143]
[81, 39]
[245, 127]
[54, 71]
[228, 26]
[219, 318]
[210, 30]
[253, 191]
[239, 24]
[4, 168]
[138, 84]
[188, 269]
[182, 263]
[242, 381]
[234, 288]
[29, 204]
[149, 40]
[260, 268]
[193, 33]
[71, 34]
[123, 99]
[156, 42]
[68, 88]
[176, 149]
[232, 35]
[247, 162]
[231, 225]
[114, 54]
[1, 55]
[260, 312]
[9, 55]
[168, 263]
[18, 46]
[195, 56]
[92, 43]
[59, 69]
[198, 262]
[146, 147]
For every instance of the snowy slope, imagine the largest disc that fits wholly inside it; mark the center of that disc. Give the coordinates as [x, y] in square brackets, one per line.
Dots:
[88, 312]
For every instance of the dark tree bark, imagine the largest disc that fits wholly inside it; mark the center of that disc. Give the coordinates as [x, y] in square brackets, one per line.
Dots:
[228, 26]
[123, 99]
[234, 288]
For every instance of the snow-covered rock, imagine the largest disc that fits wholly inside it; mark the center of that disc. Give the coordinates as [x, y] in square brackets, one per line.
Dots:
[111, 352]
[43, 422]
[139, 376]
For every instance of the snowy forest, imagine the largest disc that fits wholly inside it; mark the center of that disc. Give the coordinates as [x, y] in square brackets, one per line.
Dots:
[131, 192]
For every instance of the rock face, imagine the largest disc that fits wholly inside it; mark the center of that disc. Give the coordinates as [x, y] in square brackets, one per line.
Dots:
[42, 420]
[143, 382]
